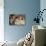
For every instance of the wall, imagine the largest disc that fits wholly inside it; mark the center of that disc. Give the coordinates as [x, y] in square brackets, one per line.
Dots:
[43, 6]
[1, 21]
[27, 7]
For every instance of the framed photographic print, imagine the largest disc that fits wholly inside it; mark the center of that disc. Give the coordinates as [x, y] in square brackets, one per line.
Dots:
[17, 19]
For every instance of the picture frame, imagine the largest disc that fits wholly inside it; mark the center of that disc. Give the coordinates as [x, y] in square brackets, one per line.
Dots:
[16, 19]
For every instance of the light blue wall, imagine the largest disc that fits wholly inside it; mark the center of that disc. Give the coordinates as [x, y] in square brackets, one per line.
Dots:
[27, 7]
[43, 6]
